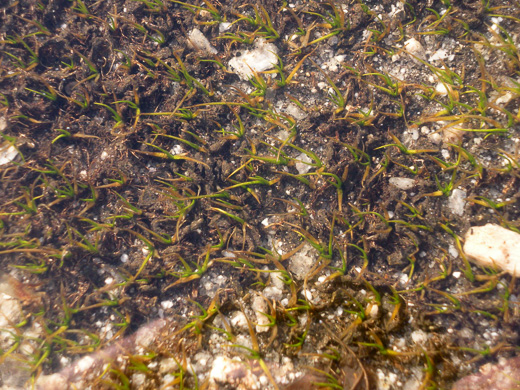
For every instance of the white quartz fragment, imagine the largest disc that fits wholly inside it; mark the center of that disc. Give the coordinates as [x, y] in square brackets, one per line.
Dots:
[494, 246]
[263, 57]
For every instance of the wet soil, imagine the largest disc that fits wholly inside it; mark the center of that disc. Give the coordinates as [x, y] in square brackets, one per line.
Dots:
[152, 182]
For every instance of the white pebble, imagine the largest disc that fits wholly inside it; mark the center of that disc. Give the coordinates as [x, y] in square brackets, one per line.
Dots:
[414, 47]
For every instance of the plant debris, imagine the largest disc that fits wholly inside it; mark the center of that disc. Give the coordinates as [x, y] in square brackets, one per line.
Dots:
[168, 223]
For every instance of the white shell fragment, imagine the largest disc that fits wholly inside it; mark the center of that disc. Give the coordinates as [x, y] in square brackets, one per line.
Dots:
[200, 42]
[494, 246]
[263, 57]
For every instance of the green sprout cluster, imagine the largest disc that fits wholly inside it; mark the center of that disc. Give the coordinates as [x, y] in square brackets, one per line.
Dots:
[143, 146]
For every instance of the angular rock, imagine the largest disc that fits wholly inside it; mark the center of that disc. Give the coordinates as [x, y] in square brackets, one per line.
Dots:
[494, 246]
[263, 57]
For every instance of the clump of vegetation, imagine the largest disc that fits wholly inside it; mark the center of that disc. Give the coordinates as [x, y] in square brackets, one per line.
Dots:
[152, 182]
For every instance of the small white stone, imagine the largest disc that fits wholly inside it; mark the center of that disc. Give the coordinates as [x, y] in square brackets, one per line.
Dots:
[10, 314]
[177, 149]
[166, 304]
[201, 360]
[307, 294]
[272, 293]
[415, 381]
[402, 183]
[10, 310]
[295, 111]
[277, 280]
[53, 381]
[414, 47]
[302, 166]
[83, 174]
[440, 54]
[374, 311]
[494, 246]
[385, 381]
[83, 364]
[3, 123]
[453, 251]
[453, 135]
[301, 262]
[457, 201]
[228, 254]
[168, 365]
[436, 138]
[322, 85]
[441, 89]
[419, 337]
[198, 41]
[138, 379]
[505, 98]
[229, 373]
[259, 305]
[239, 320]
[224, 26]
